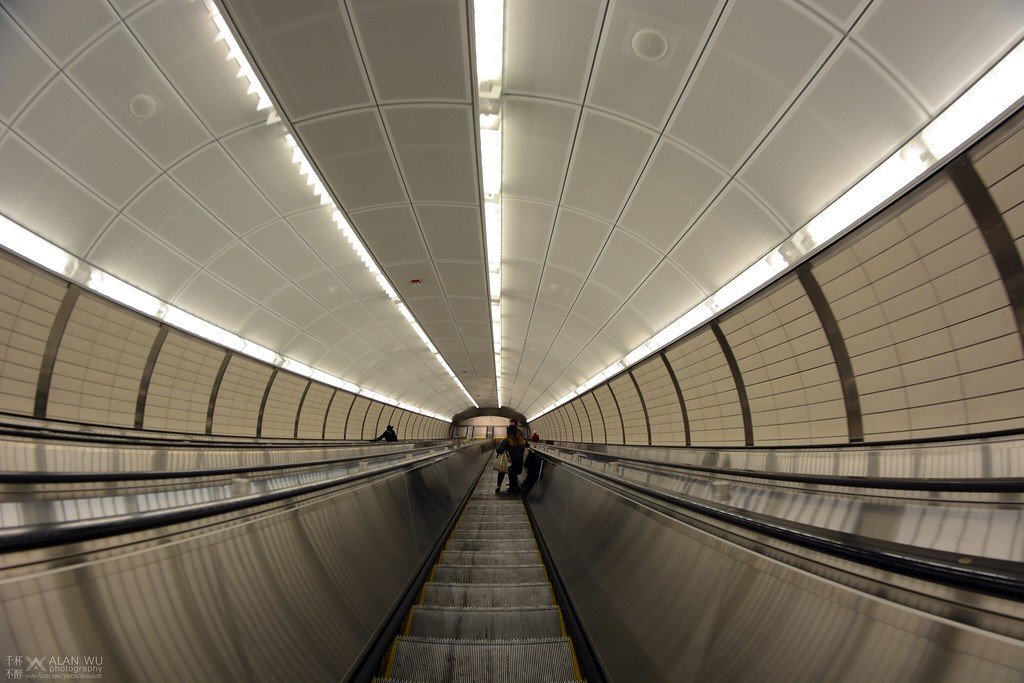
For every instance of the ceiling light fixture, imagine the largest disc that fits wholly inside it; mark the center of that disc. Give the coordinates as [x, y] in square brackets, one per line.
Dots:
[314, 181]
[489, 22]
[980, 107]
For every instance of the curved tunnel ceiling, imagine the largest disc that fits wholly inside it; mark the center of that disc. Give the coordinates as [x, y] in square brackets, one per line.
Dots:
[633, 187]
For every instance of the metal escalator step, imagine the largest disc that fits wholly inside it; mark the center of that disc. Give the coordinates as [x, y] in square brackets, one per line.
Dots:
[487, 595]
[476, 574]
[511, 661]
[491, 544]
[493, 533]
[488, 559]
[483, 623]
[490, 522]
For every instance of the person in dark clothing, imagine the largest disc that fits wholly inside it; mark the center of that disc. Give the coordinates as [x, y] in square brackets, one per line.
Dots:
[388, 435]
[515, 445]
[532, 466]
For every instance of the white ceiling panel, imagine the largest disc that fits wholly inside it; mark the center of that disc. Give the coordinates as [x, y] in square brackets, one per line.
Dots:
[79, 139]
[317, 229]
[536, 136]
[263, 327]
[38, 195]
[165, 210]
[577, 241]
[737, 230]
[559, 287]
[596, 303]
[520, 277]
[676, 184]
[62, 29]
[23, 69]
[429, 286]
[624, 264]
[391, 234]
[292, 43]
[550, 46]
[305, 349]
[129, 252]
[355, 158]
[262, 152]
[548, 314]
[579, 331]
[337, 364]
[526, 230]
[284, 249]
[638, 88]
[841, 12]
[415, 50]
[453, 232]
[935, 53]
[329, 291]
[172, 132]
[608, 157]
[436, 150]
[850, 119]
[246, 271]
[469, 309]
[295, 306]
[212, 300]
[761, 53]
[664, 294]
[179, 36]
[215, 180]
[463, 279]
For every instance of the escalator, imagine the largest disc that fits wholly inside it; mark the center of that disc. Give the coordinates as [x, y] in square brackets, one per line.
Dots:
[487, 611]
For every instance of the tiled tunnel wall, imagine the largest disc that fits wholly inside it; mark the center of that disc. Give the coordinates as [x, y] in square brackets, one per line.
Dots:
[910, 327]
[67, 354]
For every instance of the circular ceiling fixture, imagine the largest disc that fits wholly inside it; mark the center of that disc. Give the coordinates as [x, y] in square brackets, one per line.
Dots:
[649, 44]
[142, 106]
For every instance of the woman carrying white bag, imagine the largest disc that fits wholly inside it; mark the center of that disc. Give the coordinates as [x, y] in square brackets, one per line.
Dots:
[509, 458]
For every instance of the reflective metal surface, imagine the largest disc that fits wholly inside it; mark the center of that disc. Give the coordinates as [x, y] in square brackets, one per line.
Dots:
[290, 592]
[663, 600]
[977, 524]
[996, 457]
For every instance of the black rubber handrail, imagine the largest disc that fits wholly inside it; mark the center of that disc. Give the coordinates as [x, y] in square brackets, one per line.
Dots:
[951, 485]
[142, 475]
[1001, 578]
[46, 535]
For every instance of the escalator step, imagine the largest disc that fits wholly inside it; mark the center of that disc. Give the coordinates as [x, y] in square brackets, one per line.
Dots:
[498, 624]
[487, 559]
[428, 659]
[531, 573]
[487, 595]
[486, 544]
[493, 533]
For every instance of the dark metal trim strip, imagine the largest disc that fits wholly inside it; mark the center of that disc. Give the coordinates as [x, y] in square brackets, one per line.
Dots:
[578, 423]
[679, 395]
[600, 411]
[323, 432]
[298, 413]
[622, 425]
[643, 404]
[215, 389]
[847, 379]
[147, 374]
[53, 341]
[993, 228]
[263, 403]
[344, 433]
[586, 411]
[741, 388]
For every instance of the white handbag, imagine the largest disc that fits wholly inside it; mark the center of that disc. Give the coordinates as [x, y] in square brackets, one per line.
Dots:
[502, 462]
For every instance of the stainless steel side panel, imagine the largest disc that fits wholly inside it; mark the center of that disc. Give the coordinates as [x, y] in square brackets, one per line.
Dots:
[292, 594]
[663, 601]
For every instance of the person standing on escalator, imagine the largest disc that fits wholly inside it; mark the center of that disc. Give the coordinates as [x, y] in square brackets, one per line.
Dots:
[515, 445]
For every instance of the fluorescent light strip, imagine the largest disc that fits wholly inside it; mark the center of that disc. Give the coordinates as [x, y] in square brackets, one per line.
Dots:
[314, 181]
[490, 40]
[985, 102]
[34, 248]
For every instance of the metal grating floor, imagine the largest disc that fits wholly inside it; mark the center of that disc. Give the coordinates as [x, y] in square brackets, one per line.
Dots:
[487, 611]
